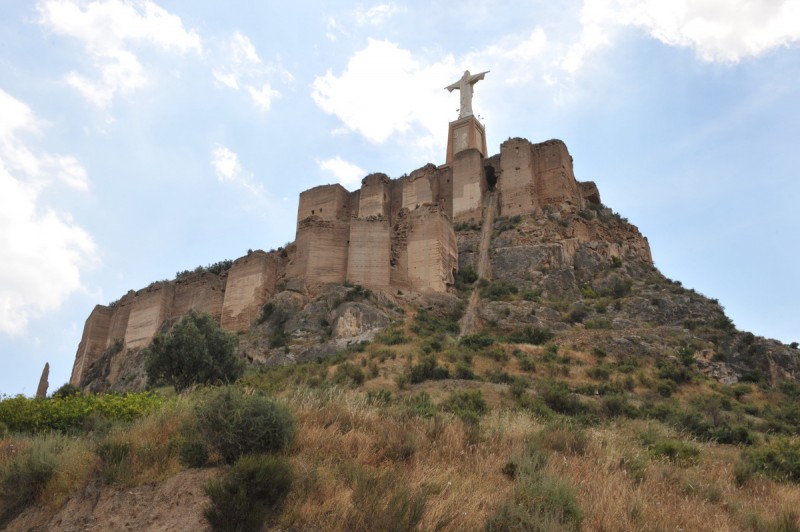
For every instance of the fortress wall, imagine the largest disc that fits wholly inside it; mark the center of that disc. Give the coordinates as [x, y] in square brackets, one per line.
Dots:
[327, 202]
[418, 188]
[515, 182]
[369, 252]
[321, 255]
[354, 204]
[251, 280]
[151, 308]
[93, 342]
[375, 196]
[119, 319]
[203, 293]
[398, 261]
[432, 250]
[468, 185]
[444, 189]
[554, 180]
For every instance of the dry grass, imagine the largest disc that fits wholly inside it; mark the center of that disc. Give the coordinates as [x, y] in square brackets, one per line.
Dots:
[359, 467]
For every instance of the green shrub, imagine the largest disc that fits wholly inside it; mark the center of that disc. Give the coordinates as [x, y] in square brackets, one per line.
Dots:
[476, 341]
[420, 405]
[196, 350]
[73, 412]
[498, 291]
[193, 454]
[468, 405]
[540, 502]
[248, 494]
[66, 390]
[557, 397]
[675, 451]
[348, 374]
[529, 335]
[779, 460]
[465, 278]
[428, 369]
[392, 336]
[235, 424]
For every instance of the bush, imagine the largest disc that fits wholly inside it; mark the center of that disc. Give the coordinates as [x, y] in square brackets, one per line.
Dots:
[70, 413]
[530, 335]
[66, 390]
[195, 351]
[253, 489]
[476, 341]
[675, 451]
[427, 369]
[779, 460]
[498, 291]
[235, 424]
[540, 502]
[557, 396]
[348, 374]
[468, 405]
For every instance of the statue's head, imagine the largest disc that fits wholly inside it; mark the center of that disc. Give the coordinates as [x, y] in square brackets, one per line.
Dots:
[466, 75]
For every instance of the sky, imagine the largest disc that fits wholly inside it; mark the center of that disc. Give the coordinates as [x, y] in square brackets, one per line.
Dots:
[143, 138]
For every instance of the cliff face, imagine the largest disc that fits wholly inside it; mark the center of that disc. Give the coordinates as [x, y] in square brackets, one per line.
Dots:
[579, 265]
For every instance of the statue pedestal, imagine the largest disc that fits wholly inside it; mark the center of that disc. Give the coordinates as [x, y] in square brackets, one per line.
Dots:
[464, 134]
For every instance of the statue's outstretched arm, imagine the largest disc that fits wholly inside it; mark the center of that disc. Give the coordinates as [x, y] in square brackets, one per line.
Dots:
[454, 86]
[477, 77]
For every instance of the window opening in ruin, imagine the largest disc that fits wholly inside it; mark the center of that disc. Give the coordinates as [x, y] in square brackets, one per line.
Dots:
[491, 177]
[312, 211]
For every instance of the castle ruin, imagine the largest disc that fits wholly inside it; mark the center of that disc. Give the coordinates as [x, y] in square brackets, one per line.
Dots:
[390, 234]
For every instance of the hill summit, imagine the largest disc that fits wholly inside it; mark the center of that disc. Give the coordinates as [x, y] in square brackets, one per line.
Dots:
[514, 242]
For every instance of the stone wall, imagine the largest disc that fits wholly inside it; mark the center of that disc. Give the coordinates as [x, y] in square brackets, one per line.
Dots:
[375, 196]
[326, 202]
[149, 312]
[201, 292]
[368, 261]
[250, 282]
[432, 250]
[321, 255]
[537, 175]
[469, 186]
[93, 340]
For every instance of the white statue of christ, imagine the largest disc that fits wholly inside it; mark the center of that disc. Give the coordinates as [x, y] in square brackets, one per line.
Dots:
[464, 86]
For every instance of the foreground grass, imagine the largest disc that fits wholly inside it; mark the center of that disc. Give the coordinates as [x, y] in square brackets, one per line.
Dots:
[420, 431]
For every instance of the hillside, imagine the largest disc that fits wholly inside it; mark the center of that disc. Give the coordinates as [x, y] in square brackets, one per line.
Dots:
[557, 381]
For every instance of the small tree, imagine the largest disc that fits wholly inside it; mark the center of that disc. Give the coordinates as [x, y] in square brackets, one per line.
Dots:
[196, 350]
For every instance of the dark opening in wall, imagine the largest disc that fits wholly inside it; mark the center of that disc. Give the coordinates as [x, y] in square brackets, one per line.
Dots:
[491, 177]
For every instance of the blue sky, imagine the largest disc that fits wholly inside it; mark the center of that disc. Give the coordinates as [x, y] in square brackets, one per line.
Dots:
[141, 138]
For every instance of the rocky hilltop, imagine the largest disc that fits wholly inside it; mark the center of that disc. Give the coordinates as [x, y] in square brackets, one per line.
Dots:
[513, 242]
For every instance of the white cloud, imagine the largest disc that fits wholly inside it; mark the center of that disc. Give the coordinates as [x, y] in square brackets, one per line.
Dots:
[717, 30]
[226, 164]
[241, 68]
[376, 15]
[386, 91]
[346, 172]
[44, 251]
[108, 29]
[263, 97]
[228, 170]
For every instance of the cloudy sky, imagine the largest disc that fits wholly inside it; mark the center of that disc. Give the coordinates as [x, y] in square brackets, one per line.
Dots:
[140, 138]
